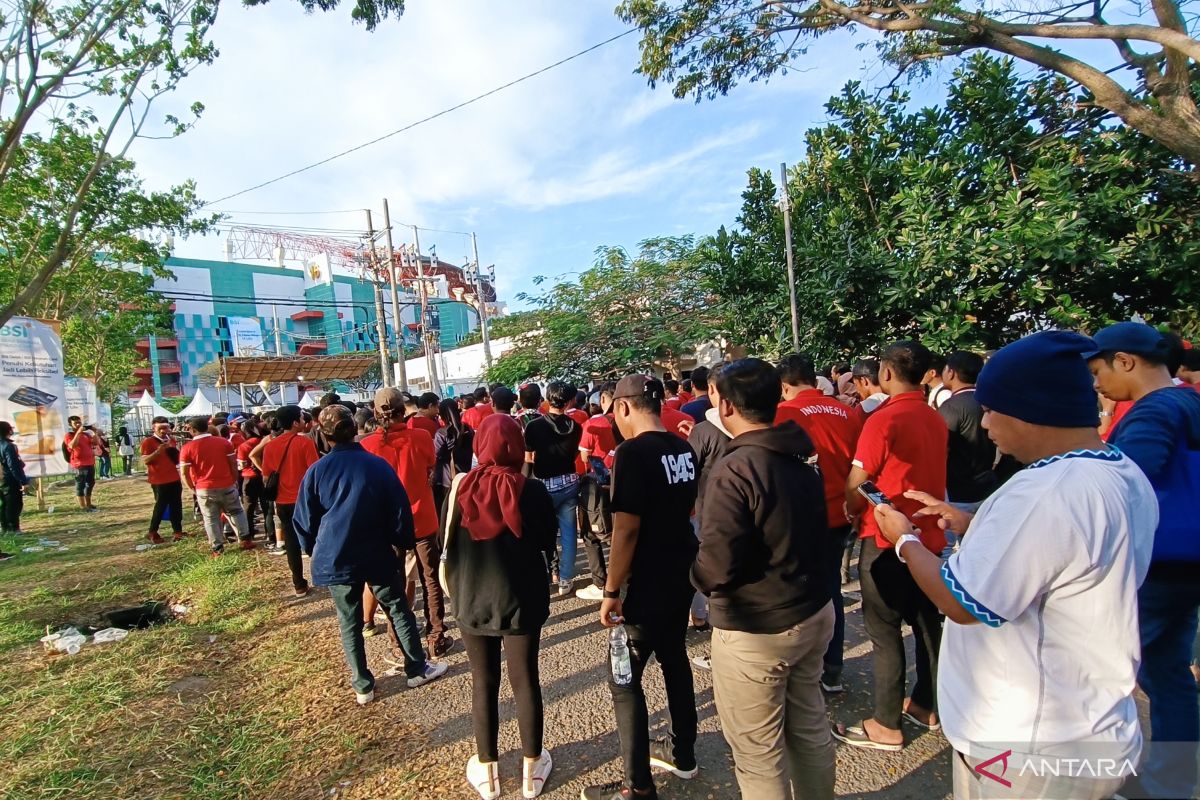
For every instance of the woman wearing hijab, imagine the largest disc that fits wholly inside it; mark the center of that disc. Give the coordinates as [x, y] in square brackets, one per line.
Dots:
[498, 531]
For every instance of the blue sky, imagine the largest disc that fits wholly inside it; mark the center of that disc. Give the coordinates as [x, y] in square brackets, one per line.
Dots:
[583, 156]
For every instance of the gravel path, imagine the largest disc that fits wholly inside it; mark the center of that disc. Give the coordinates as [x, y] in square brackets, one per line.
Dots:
[581, 728]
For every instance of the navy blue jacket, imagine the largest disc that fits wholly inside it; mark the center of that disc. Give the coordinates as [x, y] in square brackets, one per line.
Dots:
[1161, 433]
[13, 466]
[351, 514]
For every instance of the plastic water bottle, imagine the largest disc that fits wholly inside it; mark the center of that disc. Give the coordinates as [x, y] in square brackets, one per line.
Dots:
[618, 649]
[109, 635]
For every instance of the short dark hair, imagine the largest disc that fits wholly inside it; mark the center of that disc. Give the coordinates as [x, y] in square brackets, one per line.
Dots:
[867, 368]
[672, 385]
[700, 378]
[966, 365]
[199, 424]
[530, 395]
[910, 360]
[220, 418]
[841, 367]
[503, 401]
[223, 431]
[427, 399]
[287, 416]
[74, 417]
[753, 387]
[559, 393]
[481, 393]
[580, 398]
[796, 369]
[6, 429]
[158, 420]
[361, 417]
[1174, 356]
[1190, 360]
[468, 401]
[936, 362]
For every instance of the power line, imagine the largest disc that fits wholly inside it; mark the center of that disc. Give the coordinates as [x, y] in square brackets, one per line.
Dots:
[429, 118]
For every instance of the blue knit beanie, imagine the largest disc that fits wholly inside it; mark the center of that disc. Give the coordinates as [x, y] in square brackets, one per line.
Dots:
[1042, 379]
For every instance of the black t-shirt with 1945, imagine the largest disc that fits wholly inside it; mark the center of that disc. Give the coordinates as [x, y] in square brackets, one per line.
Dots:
[654, 478]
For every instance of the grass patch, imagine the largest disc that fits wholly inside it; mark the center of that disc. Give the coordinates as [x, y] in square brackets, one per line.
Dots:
[235, 700]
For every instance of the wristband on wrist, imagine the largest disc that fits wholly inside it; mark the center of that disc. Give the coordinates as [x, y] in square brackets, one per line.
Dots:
[903, 540]
[612, 595]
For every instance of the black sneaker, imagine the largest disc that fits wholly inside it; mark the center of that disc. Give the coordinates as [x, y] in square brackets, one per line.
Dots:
[617, 790]
[662, 755]
[6, 556]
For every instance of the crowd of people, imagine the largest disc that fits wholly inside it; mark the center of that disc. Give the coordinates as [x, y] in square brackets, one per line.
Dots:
[1027, 513]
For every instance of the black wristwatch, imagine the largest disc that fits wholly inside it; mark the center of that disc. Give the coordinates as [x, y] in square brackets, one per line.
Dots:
[612, 595]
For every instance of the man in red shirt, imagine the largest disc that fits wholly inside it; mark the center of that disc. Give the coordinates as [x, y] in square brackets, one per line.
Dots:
[902, 447]
[672, 399]
[476, 413]
[82, 445]
[290, 454]
[677, 422]
[834, 430]
[411, 454]
[208, 467]
[160, 454]
[252, 483]
[426, 418]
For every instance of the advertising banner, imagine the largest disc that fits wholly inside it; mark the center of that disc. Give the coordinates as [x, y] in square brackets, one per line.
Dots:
[246, 336]
[81, 400]
[32, 393]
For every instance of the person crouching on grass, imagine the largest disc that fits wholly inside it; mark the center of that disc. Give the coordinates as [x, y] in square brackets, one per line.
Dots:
[352, 516]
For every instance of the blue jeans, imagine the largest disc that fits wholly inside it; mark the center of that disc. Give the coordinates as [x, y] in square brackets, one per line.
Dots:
[348, 603]
[1167, 616]
[566, 504]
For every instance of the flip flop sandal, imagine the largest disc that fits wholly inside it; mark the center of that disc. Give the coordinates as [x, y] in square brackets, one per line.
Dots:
[856, 736]
[937, 726]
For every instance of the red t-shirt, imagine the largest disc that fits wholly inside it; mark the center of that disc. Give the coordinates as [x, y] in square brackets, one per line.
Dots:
[236, 439]
[83, 454]
[165, 468]
[580, 416]
[674, 421]
[301, 455]
[902, 447]
[208, 458]
[428, 424]
[834, 431]
[598, 439]
[411, 454]
[243, 456]
[685, 397]
[476, 413]
[672, 402]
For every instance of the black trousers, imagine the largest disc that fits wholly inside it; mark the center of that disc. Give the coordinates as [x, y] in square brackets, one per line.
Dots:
[12, 501]
[256, 504]
[890, 598]
[664, 638]
[85, 481]
[292, 545]
[167, 496]
[595, 526]
[521, 653]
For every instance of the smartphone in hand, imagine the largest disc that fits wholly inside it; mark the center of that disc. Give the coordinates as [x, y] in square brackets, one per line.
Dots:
[875, 497]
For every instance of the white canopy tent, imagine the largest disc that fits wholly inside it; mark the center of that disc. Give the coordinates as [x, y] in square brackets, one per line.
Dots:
[202, 405]
[139, 418]
[309, 400]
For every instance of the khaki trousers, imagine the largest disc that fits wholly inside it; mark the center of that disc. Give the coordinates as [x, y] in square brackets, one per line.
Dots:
[970, 785]
[772, 711]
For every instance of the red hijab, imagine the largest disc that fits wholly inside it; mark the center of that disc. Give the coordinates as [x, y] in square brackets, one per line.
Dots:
[490, 494]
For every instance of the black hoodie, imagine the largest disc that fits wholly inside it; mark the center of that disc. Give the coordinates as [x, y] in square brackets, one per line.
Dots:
[764, 534]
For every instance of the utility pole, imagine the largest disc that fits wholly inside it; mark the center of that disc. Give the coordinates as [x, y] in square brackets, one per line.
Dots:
[278, 352]
[483, 313]
[397, 324]
[380, 322]
[430, 362]
[785, 205]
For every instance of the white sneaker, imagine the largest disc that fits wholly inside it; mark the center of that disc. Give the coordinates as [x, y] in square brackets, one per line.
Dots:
[591, 592]
[702, 662]
[536, 771]
[433, 671]
[484, 778]
[363, 699]
[564, 589]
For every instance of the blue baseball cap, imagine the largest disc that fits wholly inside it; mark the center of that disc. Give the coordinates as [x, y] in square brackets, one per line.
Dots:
[1136, 338]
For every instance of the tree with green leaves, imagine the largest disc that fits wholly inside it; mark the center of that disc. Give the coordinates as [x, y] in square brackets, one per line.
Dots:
[101, 290]
[628, 312]
[706, 47]
[1011, 209]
